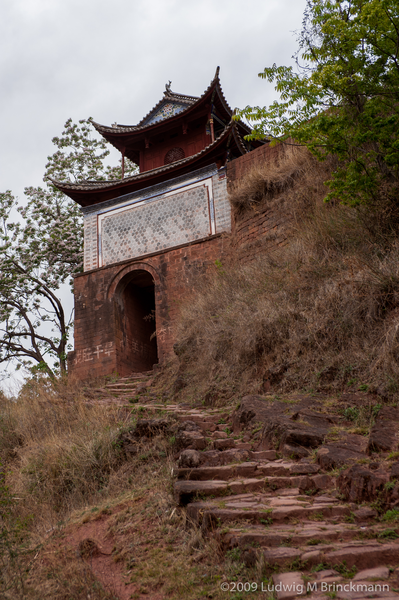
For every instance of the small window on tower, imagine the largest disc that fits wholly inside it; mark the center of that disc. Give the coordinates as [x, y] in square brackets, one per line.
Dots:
[173, 155]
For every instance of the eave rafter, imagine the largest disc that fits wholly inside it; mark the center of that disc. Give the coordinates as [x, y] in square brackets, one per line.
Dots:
[92, 192]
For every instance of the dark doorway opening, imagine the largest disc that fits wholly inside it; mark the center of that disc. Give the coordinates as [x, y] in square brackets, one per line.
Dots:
[140, 351]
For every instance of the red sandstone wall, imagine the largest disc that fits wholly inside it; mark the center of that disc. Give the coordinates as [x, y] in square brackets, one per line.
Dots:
[99, 346]
[100, 336]
[240, 166]
[256, 230]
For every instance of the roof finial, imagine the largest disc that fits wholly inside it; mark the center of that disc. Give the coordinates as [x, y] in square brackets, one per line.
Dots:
[167, 87]
[217, 72]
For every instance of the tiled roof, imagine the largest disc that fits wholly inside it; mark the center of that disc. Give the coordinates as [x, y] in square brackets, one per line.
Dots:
[170, 96]
[229, 131]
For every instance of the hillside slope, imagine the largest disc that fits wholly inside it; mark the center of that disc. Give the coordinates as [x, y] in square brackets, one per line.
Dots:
[318, 312]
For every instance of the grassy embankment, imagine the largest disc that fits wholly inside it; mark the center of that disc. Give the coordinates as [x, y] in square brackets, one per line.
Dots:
[66, 479]
[319, 313]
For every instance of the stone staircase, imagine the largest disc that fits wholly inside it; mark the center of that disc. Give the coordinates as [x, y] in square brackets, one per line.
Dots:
[277, 510]
[120, 390]
[285, 515]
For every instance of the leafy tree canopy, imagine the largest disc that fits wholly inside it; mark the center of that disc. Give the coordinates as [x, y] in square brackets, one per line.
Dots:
[342, 98]
[43, 248]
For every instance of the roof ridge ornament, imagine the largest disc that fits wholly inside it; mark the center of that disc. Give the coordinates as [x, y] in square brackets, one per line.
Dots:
[167, 88]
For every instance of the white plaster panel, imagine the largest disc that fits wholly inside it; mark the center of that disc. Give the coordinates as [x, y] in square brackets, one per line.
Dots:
[222, 204]
[168, 221]
[90, 243]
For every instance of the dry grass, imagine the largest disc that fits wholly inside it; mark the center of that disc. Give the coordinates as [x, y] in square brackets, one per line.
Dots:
[266, 181]
[319, 313]
[64, 448]
[68, 482]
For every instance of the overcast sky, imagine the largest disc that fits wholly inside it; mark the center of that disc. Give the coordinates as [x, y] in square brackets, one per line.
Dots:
[111, 59]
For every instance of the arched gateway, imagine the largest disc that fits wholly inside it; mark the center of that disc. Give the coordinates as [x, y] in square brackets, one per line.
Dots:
[136, 316]
[147, 235]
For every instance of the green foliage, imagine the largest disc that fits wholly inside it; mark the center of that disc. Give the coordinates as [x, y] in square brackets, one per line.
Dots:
[345, 571]
[391, 516]
[388, 534]
[42, 252]
[351, 413]
[389, 486]
[342, 97]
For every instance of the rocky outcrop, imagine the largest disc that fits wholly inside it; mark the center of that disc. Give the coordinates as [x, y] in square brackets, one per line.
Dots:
[346, 450]
[359, 484]
[384, 433]
[293, 430]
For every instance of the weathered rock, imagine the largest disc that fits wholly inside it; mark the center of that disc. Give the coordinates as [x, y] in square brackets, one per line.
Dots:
[304, 469]
[185, 491]
[326, 573]
[306, 485]
[394, 474]
[292, 434]
[289, 585]
[322, 482]
[295, 436]
[383, 435]
[291, 451]
[219, 435]
[312, 557]
[211, 458]
[315, 483]
[225, 444]
[243, 445]
[365, 556]
[263, 455]
[188, 426]
[150, 427]
[190, 439]
[359, 484]
[364, 514]
[375, 574]
[344, 452]
[190, 459]
[253, 410]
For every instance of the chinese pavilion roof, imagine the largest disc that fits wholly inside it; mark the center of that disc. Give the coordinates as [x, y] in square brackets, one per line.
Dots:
[203, 133]
[86, 193]
[171, 109]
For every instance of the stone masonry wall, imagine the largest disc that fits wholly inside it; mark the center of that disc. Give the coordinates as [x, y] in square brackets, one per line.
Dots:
[101, 343]
[257, 230]
[98, 336]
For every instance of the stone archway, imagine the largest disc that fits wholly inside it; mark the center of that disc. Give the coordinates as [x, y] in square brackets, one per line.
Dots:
[136, 322]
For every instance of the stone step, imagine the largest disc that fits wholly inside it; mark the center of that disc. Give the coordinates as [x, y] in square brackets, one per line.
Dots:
[196, 417]
[310, 533]
[247, 469]
[329, 583]
[262, 508]
[121, 392]
[186, 491]
[351, 554]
